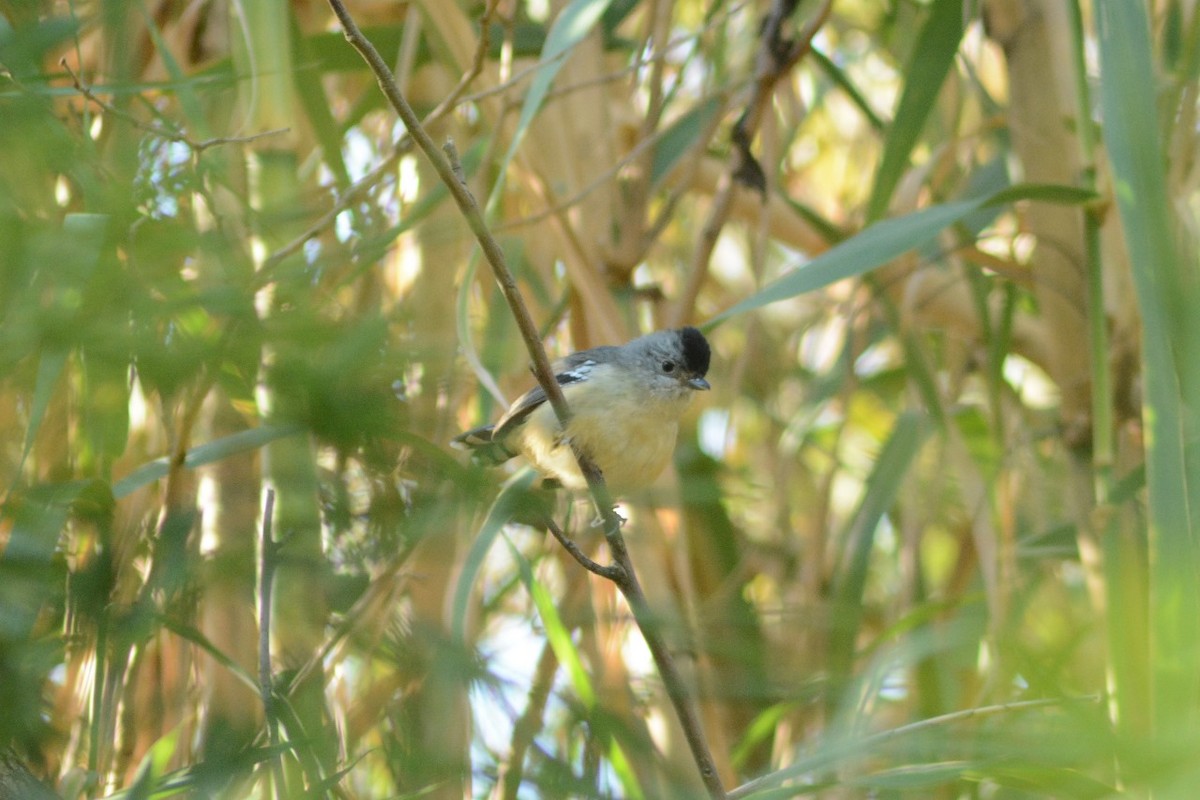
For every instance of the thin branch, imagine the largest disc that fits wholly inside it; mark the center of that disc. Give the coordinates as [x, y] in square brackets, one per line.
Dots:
[268, 561]
[157, 130]
[718, 215]
[481, 51]
[612, 572]
[604, 177]
[266, 273]
[457, 97]
[628, 583]
[467, 205]
[636, 64]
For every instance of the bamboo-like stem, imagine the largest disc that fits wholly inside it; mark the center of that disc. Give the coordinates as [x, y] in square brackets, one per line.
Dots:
[626, 582]
[268, 557]
[1102, 414]
[1127, 666]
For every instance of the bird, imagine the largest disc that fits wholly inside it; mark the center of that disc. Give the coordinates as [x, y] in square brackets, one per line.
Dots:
[625, 405]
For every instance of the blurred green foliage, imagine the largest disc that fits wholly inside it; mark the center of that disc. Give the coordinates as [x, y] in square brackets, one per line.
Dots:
[916, 543]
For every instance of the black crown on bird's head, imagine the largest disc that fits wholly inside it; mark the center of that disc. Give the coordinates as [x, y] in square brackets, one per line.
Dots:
[696, 352]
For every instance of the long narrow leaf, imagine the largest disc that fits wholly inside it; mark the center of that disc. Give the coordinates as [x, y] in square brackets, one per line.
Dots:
[884, 483]
[559, 637]
[50, 368]
[557, 633]
[196, 637]
[1167, 299]
[204, 454]
[678, 138]
[85, 236]
[499, 515]
[570, 27]
[889, 239]
[932, 58]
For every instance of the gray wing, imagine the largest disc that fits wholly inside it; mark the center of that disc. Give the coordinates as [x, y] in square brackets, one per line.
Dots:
[572, 369]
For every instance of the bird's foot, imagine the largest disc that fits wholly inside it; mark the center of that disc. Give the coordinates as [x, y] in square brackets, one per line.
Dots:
[600, 520]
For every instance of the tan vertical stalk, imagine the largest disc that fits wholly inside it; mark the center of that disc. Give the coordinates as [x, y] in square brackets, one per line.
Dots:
[1034, 35]
[262, 55]
[226, 615]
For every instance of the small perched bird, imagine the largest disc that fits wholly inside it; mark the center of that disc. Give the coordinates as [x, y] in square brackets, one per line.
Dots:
[625, 407]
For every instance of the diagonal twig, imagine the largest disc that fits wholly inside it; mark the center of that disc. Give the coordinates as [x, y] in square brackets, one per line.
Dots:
[612, 572]
[627, 581]
[269, 558]
[170, 135]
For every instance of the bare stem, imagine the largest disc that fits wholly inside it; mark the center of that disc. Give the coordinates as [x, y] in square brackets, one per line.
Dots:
[157, 130]
[268, 561]
[612, 572]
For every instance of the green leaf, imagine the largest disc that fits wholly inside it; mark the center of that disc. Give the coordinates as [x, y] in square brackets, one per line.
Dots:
[23, 49]
[1043, 192]
[912, 776]
[932, 58]
[891, 468]
[196, 637]
[570, 27]
[1167, 296]
[34, 520]
[310, 92]
[50, 368]
[85, 237]
[185, 86]
[889, 239]
[842, 80]
[215, 450]
[499, 515]
[154, 764]
[557, 634]
[559, 637]
[678, 138]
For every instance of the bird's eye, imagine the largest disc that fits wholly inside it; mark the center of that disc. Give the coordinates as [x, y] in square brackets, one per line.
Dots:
[668, 366]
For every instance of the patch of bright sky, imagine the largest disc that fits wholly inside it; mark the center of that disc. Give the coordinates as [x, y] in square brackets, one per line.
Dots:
[728, 261]
[206, 497]
[538, 10]
[508, 649]
[714, 433]
[359, 153]
[878, 358]
[822, 343]
[1030, 383]
[410, 179]
[895, 684]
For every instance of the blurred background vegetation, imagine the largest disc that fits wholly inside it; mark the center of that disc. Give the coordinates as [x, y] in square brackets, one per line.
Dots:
[931, 534]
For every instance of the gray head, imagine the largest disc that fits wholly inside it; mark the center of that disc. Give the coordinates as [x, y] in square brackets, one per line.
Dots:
[676, 361]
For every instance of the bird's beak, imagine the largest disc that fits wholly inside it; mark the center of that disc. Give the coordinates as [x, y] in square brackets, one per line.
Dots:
[698, 383]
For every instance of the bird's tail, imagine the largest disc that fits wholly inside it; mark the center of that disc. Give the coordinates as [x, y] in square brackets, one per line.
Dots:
[483, 448]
